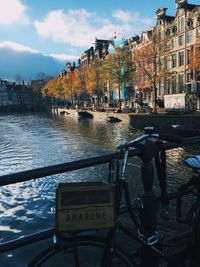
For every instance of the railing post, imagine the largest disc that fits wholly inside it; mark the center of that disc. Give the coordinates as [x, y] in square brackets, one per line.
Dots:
[150, 205]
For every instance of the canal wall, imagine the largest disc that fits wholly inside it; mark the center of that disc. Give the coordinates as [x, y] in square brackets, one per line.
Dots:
[100, 116]
[159, 121]
[165, 121]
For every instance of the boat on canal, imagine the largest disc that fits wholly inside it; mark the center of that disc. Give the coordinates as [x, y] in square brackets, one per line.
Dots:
[84, 114]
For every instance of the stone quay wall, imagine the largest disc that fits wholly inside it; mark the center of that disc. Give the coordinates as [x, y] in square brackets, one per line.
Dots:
[141, 120]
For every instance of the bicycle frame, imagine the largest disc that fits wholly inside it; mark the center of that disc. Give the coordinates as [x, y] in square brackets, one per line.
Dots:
[147, 233]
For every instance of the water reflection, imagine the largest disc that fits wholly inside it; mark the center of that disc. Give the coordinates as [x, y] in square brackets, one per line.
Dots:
[34, 141]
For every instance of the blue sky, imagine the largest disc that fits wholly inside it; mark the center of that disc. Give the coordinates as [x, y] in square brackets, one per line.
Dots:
[65, 29]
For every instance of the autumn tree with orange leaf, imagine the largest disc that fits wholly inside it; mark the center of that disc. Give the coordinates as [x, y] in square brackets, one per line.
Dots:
[95, 80]
[145, 58]
[195, 56]
[49, 88]
[71, 85]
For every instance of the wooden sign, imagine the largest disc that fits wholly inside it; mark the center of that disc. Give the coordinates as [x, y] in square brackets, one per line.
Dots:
[85, 205]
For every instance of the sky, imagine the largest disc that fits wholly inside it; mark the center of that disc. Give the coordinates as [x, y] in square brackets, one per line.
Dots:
[65, 29]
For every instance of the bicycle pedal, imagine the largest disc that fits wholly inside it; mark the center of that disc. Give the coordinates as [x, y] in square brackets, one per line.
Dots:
[137, 203]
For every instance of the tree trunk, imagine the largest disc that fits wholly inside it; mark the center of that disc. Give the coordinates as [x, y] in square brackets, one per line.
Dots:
[155, 99]
[120, 102]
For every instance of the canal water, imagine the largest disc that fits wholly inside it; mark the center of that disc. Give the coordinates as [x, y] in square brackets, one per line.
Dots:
[38, 140]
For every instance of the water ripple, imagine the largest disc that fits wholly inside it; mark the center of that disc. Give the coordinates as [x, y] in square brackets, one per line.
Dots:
[34, 141]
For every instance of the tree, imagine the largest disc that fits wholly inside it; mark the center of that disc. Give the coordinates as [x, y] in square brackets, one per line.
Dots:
[90, 80]
[96, 79]
[49, 88]
[71, 85]
[82, 92]
[151, 58]
[195, 56]
[58, 89]
[120, 69]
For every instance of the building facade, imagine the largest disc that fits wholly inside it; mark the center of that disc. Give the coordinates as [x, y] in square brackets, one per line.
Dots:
[171, 64]
[175, 44]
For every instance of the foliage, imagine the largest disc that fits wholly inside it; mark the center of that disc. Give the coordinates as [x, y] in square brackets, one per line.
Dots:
[150, 69]
[71, 85]
[119, 69]
[195, 56]
[49, 88]
[63, 87]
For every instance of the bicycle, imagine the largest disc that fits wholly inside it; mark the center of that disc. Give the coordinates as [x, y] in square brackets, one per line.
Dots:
[153, 244]
[146, 234]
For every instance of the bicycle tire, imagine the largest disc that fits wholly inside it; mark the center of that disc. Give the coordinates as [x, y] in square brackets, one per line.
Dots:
[45, 258]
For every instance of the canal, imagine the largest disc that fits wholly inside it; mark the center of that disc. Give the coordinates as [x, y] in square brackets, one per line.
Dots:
[37, 140]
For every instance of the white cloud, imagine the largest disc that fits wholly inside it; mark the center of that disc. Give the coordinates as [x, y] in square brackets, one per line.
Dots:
[122, 15]
[26, 49]
[12, 11]
[132, 21]
[72, 28]
[64, 57]
[17, 47]
[79, 27]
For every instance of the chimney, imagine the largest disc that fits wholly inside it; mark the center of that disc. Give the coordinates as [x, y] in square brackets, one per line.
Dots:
[161, 12]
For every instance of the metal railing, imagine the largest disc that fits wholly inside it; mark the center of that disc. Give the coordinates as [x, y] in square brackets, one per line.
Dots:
[61, 168]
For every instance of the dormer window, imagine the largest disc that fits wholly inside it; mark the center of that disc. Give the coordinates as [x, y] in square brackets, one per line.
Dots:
[174, 30]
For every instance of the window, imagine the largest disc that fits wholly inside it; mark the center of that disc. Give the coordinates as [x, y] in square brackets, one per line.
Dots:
[189, 23]
[174, 60]
[167, 33]
[181, 58]
[188, 56]
[189, 37]
[198, 31]
[167, 87]
[189, 87]
[188, 77]
[162, 64]
[174, 30]
[181, 40]
[181, 25]
[174, 42]
[198, 76]
[198, 89]
[168, 63]
[173, 84]
[180, 83]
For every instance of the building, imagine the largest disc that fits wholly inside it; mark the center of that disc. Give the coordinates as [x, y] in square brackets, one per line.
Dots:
[178, 42]
[175, 45]
[95, 56]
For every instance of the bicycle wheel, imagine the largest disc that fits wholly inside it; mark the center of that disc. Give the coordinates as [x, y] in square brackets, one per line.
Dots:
[90, 252]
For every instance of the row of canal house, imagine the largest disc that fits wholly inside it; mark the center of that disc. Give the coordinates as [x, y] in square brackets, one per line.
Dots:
[175, 40]
[20, 97]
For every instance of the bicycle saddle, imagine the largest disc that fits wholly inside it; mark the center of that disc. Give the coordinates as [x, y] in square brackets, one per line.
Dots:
[192, 161]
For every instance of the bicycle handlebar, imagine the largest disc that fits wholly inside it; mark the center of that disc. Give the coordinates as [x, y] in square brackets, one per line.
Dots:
[141, 140]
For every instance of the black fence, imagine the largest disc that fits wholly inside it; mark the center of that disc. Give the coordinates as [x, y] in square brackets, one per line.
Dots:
[61, 168]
